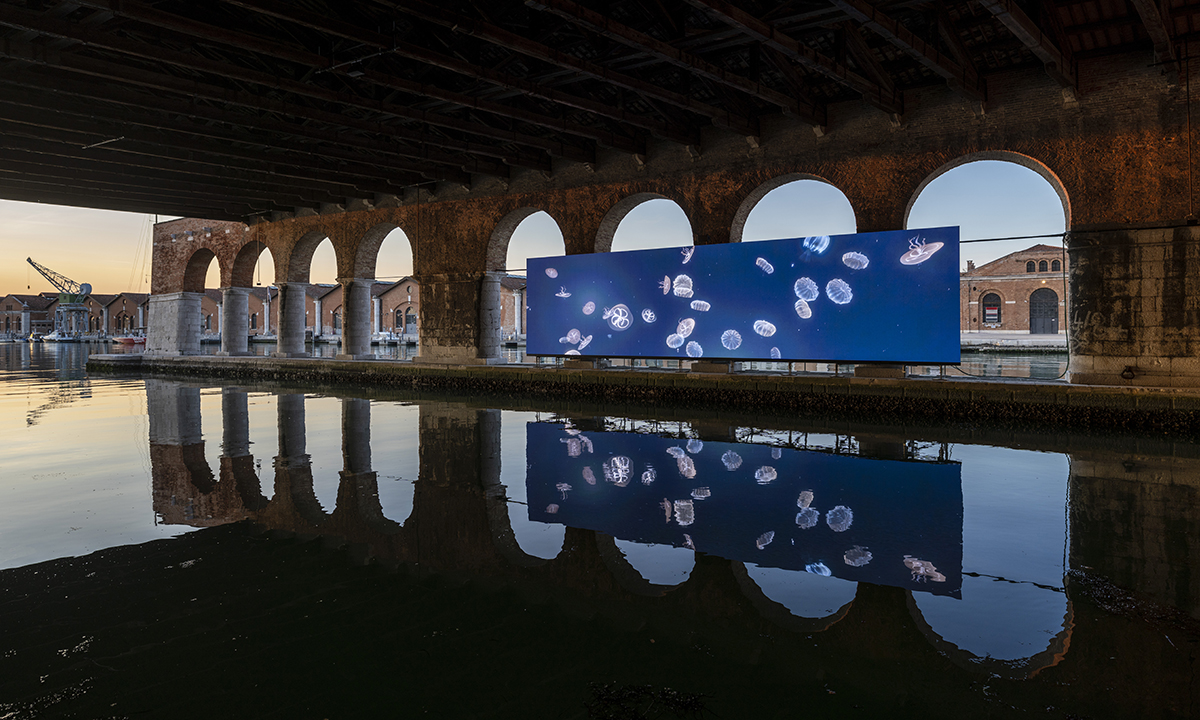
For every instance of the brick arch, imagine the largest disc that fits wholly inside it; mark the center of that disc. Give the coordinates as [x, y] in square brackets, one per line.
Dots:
[196, 269]
[497, 248]
[366, 255]
[1026, 161]
[619, 210]
[244, 262]
[737, 228]
[299, 259]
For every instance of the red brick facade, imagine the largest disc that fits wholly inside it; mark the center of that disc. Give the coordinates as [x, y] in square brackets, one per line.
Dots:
[1024, 292]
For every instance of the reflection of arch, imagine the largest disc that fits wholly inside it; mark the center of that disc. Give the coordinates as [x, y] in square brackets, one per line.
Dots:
[614, 216]
[1028, 667]
[503, 536]
[497, 247]
[197, 269]
[777, 612]
[244, 263]
[300, 260]
[624, 571]
[737, 228]
[1003, 156]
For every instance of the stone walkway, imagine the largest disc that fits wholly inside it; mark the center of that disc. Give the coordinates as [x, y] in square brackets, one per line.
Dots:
[1011, 341]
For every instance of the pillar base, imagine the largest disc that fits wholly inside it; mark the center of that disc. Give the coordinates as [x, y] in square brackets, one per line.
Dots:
[1140, 371]
[454, 355]
[597, 364]
[289, 355]
[222, 353]
[715, 366]
[879, 371]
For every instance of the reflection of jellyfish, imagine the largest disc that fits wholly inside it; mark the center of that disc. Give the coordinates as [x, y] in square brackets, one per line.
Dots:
[683, 286]
[805, 499]
[764, 266]
[687, 254]
[838, 291]
[676, 452]
[923, 570]
[764, 328]
[665, 284]
[551, 273]
[775, 354]
[563, 488]
[855, 261]
[574, 446]
[573, 336]
[674, 341]
[686, 467]
[685, 328]
[666, 506]
[584, 342]
[700, 306]
[776, 453]
[694, 350]
[803, 310]
[806, 289]
[765, 474]
[731, 339]
[687, 542]
[648, 315]
[731, 460]
[919, 251]
[816, 244]
[818, 568]
[857, 556]
[619, 317]
[589, 476]
[589, 307]
[694, 446]
[700, 493]
[685, 512]
[765, 539]
[562, 293]
[649, 476]
[551, 509]
[807, 518]
[618, 470]
[839, 519]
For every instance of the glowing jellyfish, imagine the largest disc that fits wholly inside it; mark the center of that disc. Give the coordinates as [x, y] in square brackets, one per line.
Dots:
[687, 254]
[619, 317]
[700, 306]
[922, 570]
[806, 289]
[584, 342]
[683, 286]
[840, 518]
[589, 307]
[687, 468]
[731, 460]
[818, 568]
[694, 446]
[649, 476]
[764, 328]
[838, 291]
[694, 350]
[648, 315]
[551, 509]
[551, 273]
[665, 284]
[685, 512]
[816, 244]
[805, 499]
[765, 474]
[765, 266]
[622, 469]
[807, 518]
[700, 493]
[775, 354]
[764, 539]
[573, 335]
[674, 341]
[731, 339]
[803, 310]
[855, 261]
[685, 328]
[588, 476]
[776, 453]
[919, 251]
[676, 452]
[572, 352]
[563, 488]
[565, 340]
[857, 556]
[562, 293]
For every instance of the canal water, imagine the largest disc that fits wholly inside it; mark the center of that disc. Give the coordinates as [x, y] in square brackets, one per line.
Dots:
[191, 549]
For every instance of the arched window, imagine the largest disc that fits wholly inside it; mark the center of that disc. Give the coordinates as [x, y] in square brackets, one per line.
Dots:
[254, 321]
[398, 321]
[1042, 266]
[337, 321]
[1056, 266]
[1030, 267]
[991, 309]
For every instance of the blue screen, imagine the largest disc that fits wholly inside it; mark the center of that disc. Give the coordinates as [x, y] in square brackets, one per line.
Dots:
[869, 297]
[889, 522]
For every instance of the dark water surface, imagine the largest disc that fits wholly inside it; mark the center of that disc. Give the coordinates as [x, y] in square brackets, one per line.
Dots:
[172, 549]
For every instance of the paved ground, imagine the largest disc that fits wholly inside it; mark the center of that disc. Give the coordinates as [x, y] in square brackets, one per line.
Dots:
[1014, 340]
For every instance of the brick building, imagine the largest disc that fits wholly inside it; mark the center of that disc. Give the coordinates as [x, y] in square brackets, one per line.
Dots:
[394, 306]
[127, 313]
[512, 308]
[1022, 292]
[262, 301]
[21, 315]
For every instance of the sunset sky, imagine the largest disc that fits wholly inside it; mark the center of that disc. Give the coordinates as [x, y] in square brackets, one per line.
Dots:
[110, 249]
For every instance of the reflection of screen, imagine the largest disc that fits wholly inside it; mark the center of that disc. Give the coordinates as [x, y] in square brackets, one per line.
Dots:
[887, 297]
[888, 522]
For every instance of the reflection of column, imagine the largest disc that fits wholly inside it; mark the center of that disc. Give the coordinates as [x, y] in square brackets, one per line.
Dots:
[182, 481]
[290, 341]
[291, 429]
[237, 464]
[235, 320]
[174, 324]
[356, 320]
[356, 435]
[294, 494]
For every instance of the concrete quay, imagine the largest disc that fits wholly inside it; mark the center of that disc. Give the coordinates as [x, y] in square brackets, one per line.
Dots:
[1011, 402]
[1012, 342]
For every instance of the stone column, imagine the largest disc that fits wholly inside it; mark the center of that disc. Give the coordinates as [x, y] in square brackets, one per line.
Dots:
[290, 342]
[26, 323]
[235, 321]
[317, 319]
[376, 320]
[104, 329]
[174, 327]
[356, 319]
[460, 319]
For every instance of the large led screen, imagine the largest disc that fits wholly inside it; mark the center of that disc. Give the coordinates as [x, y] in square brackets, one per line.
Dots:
[889, 522]
[869, 297]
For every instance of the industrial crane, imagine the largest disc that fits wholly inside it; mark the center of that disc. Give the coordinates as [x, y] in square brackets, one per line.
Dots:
[71, 315]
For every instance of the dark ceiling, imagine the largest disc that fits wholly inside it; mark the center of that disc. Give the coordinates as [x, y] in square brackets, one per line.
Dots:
[238, 108]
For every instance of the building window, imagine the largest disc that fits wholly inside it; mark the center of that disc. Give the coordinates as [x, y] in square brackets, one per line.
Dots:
[1056, 266]
[1030, 266]
[991, 309]
[254, 321]
[1042, 266]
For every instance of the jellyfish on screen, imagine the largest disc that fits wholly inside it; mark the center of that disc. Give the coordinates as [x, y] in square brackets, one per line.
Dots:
[685, 327]
[919, 251]
[816, 244]
[687, 254]
[619, 317]
[674, 341]
[573, 336]
[551, 273]
[838, 291]
[764, 265]
[806, 289]
[562, 293]
[683, 286]
[701, 306]
[839, 519]
[694, 350]
[665, 284]
[775, 354]
[572, 352]
[589, 307]
[731, 339]
[855, 261]
[584, 342]
[648, 315]
[803, 310]
[764, 328]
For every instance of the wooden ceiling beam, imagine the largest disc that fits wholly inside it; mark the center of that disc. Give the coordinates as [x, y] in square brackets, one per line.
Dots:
[80, 195]
[1156, 28]
[1057, 61]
